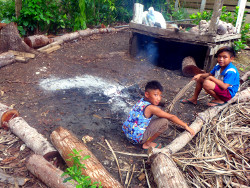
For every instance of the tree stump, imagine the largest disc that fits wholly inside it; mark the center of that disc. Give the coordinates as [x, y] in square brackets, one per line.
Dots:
[11, 40]
[65, 142]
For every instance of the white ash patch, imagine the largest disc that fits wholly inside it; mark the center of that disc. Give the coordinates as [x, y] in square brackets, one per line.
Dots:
[92, 85]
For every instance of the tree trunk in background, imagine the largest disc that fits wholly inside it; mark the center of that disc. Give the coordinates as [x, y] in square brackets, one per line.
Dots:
[18, 7]
[11, 40]
[65, 142]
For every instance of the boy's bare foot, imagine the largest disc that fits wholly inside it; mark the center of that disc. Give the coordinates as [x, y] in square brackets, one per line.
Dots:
[189, 101]
[151, 144]
[215, 103]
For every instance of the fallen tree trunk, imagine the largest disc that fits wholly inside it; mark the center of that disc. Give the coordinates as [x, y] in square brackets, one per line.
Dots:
[34, 140]
[202, 118]
[6, 58]
[46, 172]
[65, 142]
[166, 174]
[36, 41]
[11, 40]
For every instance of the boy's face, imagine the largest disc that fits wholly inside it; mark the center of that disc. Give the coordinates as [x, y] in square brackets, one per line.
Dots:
[224, 59]
[153, 96]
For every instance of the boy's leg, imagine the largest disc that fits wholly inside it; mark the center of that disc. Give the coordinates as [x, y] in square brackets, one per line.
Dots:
[198, 88]
[155, 128]
[209, 87]
[220, 96]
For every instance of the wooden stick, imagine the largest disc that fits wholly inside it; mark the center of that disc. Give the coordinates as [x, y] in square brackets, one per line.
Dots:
[127, 176]
[146, 173]
[131, 176]
[115, 159]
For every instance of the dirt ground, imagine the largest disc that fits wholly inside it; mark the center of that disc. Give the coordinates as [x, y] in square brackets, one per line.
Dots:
[88, 87]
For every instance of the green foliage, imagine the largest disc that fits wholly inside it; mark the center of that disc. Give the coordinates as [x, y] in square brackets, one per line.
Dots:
[201, 16]
[7, 10]
[75, 172]
[172, 14]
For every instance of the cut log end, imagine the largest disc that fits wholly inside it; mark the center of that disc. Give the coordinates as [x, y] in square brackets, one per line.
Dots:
[7, 116]
[53, 154]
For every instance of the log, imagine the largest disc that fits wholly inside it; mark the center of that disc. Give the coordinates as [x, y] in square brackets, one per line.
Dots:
[68, 37]
[166, 174]
[202, 117]
[11, 40]
[6, 58]
[189, 67]
[34, 140]
[84, 33]
[46, 172]
[6, 114]
[36, 41]
[65, 142]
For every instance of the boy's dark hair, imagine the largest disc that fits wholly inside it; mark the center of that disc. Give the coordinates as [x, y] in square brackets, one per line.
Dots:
[228, 49]
[153, 85]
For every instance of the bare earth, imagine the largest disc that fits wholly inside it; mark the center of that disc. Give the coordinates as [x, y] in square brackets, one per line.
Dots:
[88, 87]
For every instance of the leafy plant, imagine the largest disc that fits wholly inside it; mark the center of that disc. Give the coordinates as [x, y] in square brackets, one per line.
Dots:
[201, 16]
[75, 172]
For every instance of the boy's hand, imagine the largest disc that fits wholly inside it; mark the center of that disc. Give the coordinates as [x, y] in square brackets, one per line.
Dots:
[196, 77]
[190, 130]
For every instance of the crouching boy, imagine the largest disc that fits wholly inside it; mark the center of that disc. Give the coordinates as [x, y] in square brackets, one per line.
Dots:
[139, 127]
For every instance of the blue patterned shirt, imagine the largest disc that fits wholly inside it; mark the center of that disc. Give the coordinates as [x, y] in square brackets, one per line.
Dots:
[136, 123]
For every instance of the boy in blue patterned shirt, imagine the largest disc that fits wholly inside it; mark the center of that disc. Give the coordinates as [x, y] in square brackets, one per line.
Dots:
[222, 83]
[139, 127]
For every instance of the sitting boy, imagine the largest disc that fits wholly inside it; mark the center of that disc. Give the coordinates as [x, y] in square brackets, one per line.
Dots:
[139, 127]
[222, 83]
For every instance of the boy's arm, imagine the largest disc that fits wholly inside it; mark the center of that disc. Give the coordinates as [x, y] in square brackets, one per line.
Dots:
[153, 110]
[220, 83]
[203, 75]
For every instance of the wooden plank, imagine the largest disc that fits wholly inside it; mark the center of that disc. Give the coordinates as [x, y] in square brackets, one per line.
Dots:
[24, 54]
[170, 34]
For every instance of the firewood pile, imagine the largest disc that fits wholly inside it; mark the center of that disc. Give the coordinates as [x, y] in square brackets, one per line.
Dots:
[220, 155]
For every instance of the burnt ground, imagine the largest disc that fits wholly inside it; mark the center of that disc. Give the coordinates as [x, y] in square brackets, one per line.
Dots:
[87, 86]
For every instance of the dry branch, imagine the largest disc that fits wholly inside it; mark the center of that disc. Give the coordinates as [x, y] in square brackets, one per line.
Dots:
[46, 172]
[65, 142]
